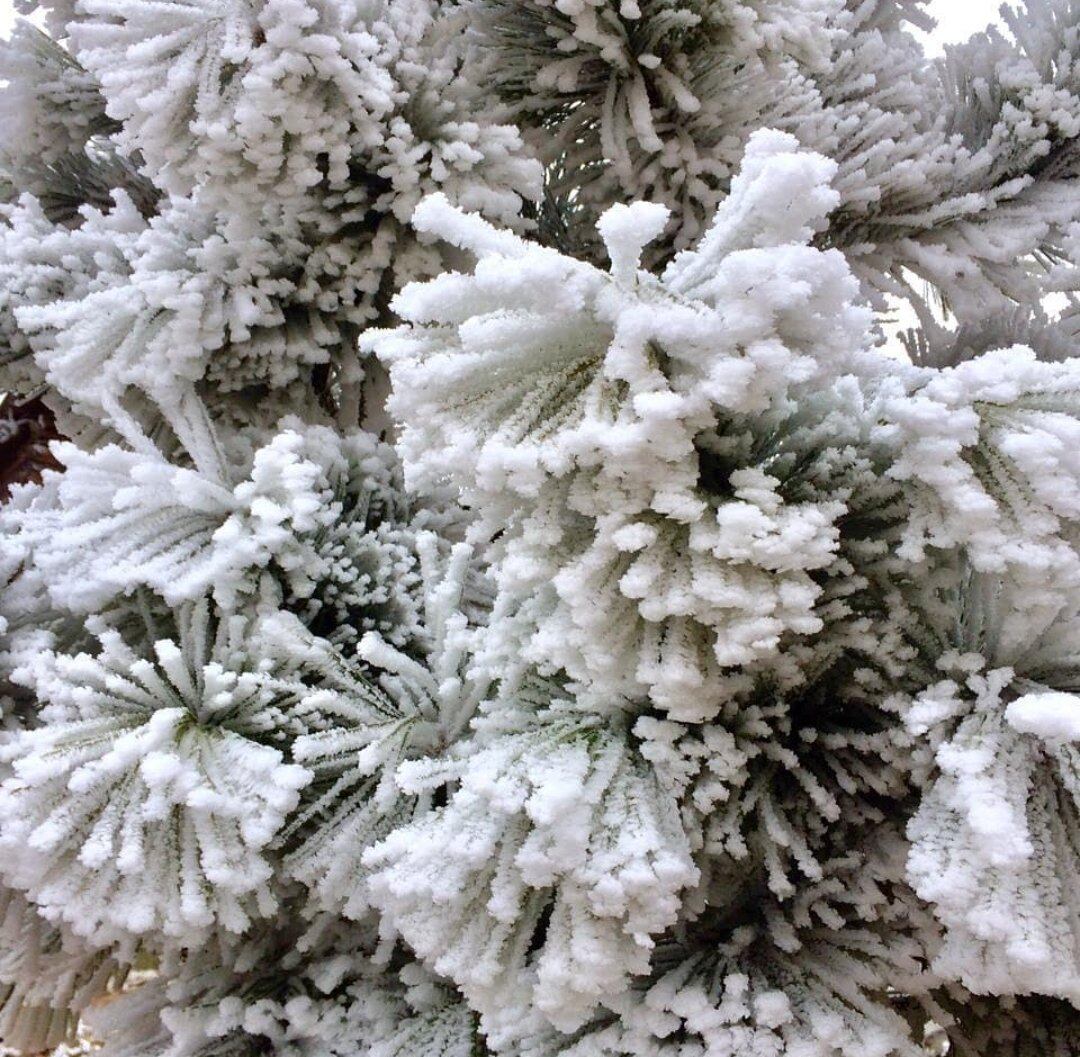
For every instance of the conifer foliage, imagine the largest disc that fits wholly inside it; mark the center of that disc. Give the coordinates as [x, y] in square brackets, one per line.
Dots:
[480, 573]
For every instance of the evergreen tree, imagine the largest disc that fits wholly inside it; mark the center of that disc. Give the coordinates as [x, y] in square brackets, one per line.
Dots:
[479, 572]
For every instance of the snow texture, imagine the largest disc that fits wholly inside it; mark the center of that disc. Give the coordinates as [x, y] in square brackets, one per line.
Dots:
[505, 589]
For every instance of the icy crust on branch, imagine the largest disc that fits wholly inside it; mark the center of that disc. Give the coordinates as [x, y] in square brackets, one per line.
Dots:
[290, 95]
[50, 106]
[294, 141]
[618, 436]
[1047, 714]
[256, 295]
[359, 798]
[146, 798]
[991, 448]
[996, 839]
[48, 977]
[693, 681]
[1024, 1027]
[323, 512]
[633, 100]
[761, 787]
[42, 262]
[327, 992]
[762, 977]
[56, 136]
[555, 816]
[259, 90]
[960, 172]
[570, 405]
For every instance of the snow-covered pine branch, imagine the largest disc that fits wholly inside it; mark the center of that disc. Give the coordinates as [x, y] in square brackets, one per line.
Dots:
[504, 589]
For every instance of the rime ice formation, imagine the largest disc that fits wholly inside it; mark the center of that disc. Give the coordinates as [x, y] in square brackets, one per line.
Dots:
[503, 589]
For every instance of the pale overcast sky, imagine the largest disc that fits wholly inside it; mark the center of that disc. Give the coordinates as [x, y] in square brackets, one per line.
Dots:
[957, 19]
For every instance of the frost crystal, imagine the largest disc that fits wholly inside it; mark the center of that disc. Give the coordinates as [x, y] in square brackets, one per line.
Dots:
[501, 586]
